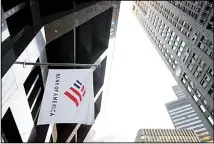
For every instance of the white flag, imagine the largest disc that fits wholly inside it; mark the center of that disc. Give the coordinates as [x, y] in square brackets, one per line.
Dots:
[68, 97]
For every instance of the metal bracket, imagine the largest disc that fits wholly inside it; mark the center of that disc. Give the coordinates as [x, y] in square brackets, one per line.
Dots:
[24, 63]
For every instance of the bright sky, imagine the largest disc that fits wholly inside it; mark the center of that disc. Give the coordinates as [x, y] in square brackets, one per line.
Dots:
[139, 85]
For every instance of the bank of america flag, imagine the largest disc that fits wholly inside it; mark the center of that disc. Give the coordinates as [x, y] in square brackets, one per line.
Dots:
[68, 97]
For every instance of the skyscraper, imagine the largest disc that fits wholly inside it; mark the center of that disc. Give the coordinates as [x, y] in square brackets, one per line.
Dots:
[184, 116]
[166, 136]
[58, 31]
[182, 33]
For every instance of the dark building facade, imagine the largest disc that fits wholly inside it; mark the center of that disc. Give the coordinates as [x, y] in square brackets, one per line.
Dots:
[184, 116]
[166, 136]
[182, 33]
[58, 31]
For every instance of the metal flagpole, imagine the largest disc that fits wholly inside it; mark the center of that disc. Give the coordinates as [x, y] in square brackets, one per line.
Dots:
[55, 64]
[76, 137]
[75, 55]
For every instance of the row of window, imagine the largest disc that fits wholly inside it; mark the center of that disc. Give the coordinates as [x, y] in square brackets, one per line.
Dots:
[189, 124]
[198, 70]
[178, 108]
[166, 132]
[206, 41]
[200, 130]
[143, 7]
[199, 66]
[206, 46]
[156, 22]
[190, 87]
[185, 121]
[181, 111]
[196, 97]
[176, 105]
[180, 24]
[198, 3]
[206, 78]
[196, 126]
[179, 119]
[210, 24]
[205, 14]
[184, 117]
[172, 38]
[169, 139]
[169, 36]
[180, 6]
[182, 114]
[192, 6]
[210, 92]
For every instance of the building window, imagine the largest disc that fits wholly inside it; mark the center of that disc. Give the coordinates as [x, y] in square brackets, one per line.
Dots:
[210, 71]
[189, 89]
[174, 48]
[183, 80]
[192, 61]
[199, 69]
[178, 71]
[198, 93]
[191, 84]
[196, 74]
[195, 56]
[210, 119]
[205, 102]
[202, 108]
[173, 34]
[178, 38]
[195, 37]
[185, 75]
[203, 83]
[201, 46]
[207, 78]
[202, 63]
[173, 66]
[210, 92]
[190, 67]
[179, 54]
[195, 97]
[183, 44]
[209, 53]
[180, 49]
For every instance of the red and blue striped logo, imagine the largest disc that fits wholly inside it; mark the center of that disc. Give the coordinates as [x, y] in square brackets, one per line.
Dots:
[79, 90]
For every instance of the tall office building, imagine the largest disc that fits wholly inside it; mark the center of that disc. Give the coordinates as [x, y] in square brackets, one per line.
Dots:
[182, 33]
[184, 116]
[166, 136]
[54, 31]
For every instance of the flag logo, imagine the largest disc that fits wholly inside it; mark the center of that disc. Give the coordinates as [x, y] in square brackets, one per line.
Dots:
[78, 90]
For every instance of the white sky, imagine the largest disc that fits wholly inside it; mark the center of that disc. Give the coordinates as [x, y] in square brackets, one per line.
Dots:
[139, 85]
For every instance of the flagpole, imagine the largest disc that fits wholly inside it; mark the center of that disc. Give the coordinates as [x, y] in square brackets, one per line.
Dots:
[55, 64]
[76, 137]
[75, 55]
